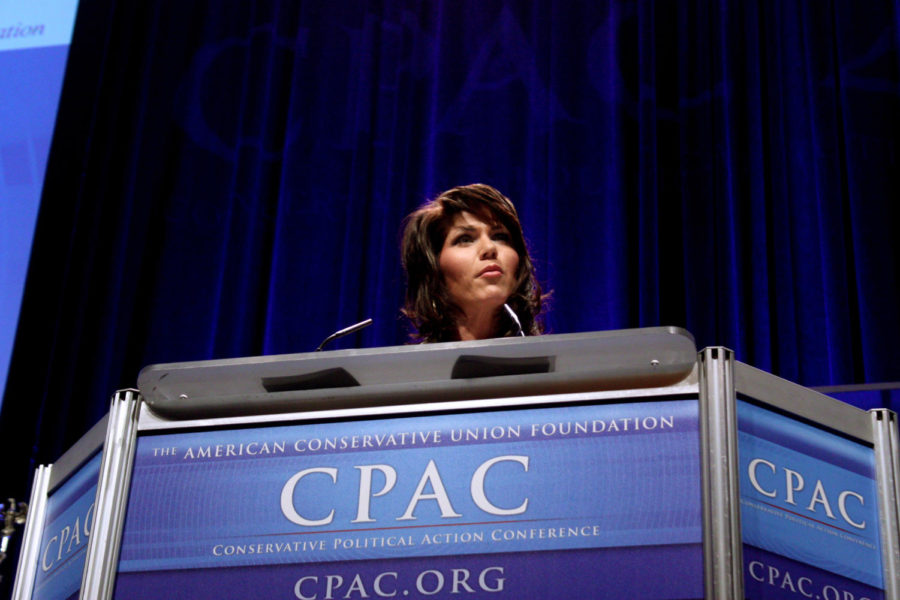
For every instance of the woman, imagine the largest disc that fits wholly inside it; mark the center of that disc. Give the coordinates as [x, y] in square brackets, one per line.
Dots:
[465, 257]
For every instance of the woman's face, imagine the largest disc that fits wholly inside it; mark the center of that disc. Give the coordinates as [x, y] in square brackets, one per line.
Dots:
[479, 263]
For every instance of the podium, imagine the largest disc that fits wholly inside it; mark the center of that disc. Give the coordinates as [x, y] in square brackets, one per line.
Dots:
[618, 464]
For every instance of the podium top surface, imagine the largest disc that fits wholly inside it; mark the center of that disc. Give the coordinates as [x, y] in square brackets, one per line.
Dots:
[560, 363]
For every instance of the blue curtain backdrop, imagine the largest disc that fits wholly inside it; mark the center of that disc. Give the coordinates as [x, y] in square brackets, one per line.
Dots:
[228, 179]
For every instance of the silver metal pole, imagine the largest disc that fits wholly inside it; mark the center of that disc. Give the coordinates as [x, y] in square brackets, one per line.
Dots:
[887, 472]
[722, 544]
[102, 558]
[30, 550]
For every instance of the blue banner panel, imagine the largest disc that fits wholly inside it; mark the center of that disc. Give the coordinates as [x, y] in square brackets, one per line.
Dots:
[768, 576]
[809, 496]
[516, 489]
[663, 572]
[64, 539]
[34, 47]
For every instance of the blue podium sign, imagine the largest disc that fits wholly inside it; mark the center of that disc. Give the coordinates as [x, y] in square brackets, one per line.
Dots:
[64, 539]
[561, 502]
[809, 511]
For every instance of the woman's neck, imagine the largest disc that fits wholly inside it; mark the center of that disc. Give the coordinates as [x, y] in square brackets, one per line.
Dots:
[478, 326]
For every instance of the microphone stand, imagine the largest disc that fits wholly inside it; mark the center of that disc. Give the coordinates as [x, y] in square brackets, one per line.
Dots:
[515, 319]
[14, 513]
[343, 332]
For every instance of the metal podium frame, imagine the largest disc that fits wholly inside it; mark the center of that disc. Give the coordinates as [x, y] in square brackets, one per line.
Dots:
[113, 436]
[615, 365]
[47, 479]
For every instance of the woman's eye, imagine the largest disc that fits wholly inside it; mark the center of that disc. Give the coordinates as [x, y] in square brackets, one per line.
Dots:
[463, 239]
[502, 236]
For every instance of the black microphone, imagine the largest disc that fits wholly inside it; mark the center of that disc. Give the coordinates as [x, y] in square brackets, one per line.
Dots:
[512, 315]
[343, 332]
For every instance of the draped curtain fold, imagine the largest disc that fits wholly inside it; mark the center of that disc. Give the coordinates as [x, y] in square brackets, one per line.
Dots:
[229, 179]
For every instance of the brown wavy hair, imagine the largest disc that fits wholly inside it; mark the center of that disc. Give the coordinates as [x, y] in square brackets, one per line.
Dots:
[428, 305]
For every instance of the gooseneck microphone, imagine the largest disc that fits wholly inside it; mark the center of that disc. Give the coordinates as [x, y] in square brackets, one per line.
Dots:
[345, 331]
[515, 318]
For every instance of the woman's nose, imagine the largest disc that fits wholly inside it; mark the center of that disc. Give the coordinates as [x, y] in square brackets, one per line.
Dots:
[488, 249]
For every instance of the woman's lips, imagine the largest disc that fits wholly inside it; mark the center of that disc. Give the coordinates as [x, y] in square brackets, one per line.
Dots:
[491, 271]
